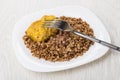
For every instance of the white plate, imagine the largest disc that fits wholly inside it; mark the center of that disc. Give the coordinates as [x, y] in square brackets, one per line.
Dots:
[40, 65]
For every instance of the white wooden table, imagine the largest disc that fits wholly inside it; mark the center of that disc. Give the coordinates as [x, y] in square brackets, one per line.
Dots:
[105, 68]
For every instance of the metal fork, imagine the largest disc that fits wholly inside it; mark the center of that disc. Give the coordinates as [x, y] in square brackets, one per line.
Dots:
[64, 26]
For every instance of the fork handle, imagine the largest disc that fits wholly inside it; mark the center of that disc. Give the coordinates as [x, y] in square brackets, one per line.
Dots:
[97, 40]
